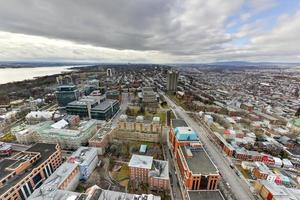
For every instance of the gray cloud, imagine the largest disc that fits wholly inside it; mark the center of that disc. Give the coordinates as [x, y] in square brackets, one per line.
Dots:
[172, 26]
[144, 30]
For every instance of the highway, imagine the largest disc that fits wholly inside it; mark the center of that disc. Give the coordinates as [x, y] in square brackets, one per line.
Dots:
[239, 187]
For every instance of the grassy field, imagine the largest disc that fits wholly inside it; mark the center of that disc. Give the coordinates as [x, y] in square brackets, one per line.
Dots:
[163, 117]
[122, 174]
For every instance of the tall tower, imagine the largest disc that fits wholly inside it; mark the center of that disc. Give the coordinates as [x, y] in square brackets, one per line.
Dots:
[172, 79]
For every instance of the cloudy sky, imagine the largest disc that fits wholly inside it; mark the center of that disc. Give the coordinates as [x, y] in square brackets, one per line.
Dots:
[161, 31]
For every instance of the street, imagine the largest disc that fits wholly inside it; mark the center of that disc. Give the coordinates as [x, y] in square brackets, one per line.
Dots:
[173, 177]
[239, 187]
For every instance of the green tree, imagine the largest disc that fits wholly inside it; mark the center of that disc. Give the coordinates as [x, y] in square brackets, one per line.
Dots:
[142, 110]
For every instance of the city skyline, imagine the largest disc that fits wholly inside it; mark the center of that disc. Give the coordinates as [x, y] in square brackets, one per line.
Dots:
[150, 31]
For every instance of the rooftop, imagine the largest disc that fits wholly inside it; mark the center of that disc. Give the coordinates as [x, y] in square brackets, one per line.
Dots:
[113, 195]
[39, 114]
[60, 124]
[104, 105]
[143, 148]
[45, 150]
[199, 162]
[160, 169]
[207, 195]
[83, 155]
[179, 123]
[185, 133]
[280, 192]
[263, 167]
[49, 189]
[3, 165]
[140, 119]
[141, 161]
[66, 87]
[83, 102]
[4, 146]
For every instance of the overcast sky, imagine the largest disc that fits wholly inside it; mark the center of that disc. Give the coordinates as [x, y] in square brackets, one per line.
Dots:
[161, 31]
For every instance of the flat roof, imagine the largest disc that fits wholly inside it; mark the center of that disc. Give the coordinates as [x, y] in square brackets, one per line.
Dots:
[3, 164]
[57, 195]
[83, 102]
[179, 123]
[51, 184]
[143, 148]
[199, 163]
[141, 161]
[46, 150]
[113, 195]
[104, 105]
[161, 169]
[83, 155]
[4, 146]
[185, 133]
[205, 194]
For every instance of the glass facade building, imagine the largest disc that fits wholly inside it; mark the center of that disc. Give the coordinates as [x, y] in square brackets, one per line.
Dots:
[66, 94]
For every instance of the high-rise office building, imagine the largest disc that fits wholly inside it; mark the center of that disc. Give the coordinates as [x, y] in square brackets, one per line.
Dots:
[172, 79]
[66, 94]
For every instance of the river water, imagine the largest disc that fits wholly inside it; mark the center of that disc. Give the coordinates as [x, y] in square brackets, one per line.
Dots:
[19, 74]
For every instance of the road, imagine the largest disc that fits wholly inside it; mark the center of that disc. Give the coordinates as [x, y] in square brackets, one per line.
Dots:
[239, 187]
[123, 106]
[174, 180]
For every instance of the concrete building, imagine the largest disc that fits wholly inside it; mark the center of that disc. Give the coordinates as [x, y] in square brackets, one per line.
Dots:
[60, 132]
[66, 94]
[148, 95]
[35, 117]
[113, 94]
[101, 140]
[23, 173]
[92, 193]
[149, 98]
[66, 178]
[172, 79]
[197, 170]
[144, 169]
[86, 158]
[61, 184]
[140, 124]
[113, 195]
[261, 171]
[93, 109]
[139, 128]
[272, 191]
[5, 149]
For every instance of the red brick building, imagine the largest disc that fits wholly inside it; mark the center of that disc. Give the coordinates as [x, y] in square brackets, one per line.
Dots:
[21, 174]
[144, 169]
[197, 170]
